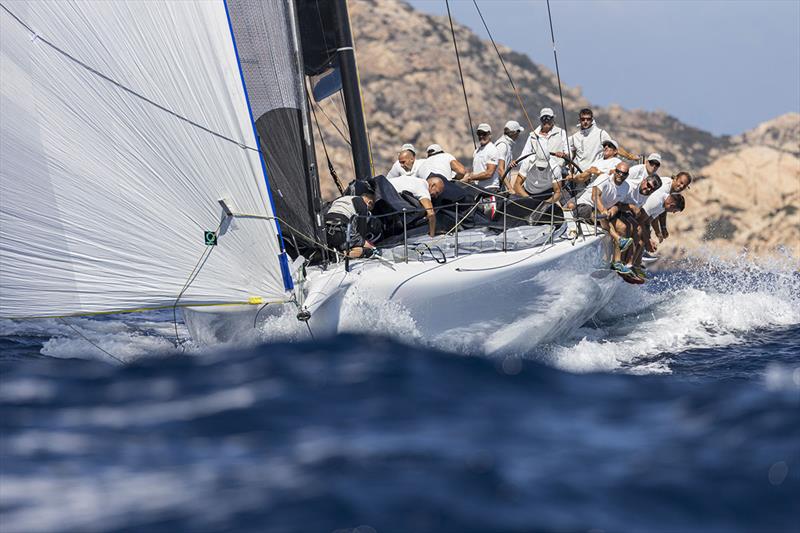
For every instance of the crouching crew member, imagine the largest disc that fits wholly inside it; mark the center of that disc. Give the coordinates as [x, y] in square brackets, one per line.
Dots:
[352, 211]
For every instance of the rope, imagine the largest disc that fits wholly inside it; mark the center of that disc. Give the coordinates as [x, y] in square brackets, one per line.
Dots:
[558, 76]
[87, 339]
[502, 62]
[461, 74]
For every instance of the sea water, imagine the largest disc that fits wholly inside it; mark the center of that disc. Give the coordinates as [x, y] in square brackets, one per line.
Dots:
[677, 408]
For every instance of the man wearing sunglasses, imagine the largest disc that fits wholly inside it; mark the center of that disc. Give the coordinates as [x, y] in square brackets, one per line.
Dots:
[602, 197]
[484, 161]
[546, 147]
[650, 166]
[587, 142]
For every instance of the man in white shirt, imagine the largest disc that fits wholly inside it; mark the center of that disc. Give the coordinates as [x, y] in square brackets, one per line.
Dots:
[441, 163]
[654, 206]
[484, 161]
[546, 144]
[407, 163]
[602, 197]
[505, 146]
[424, 192]
[671, 203]
[587, 143]
[641, 171]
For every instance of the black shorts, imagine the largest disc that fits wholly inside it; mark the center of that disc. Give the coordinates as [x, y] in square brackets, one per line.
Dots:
[583, 212]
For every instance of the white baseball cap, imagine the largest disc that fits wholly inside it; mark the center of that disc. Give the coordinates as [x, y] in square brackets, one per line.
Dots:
[513, 125]
[654, 157]
[409, 147]
[434, 148]
[484, 127]
[546, 112]
[612, 142]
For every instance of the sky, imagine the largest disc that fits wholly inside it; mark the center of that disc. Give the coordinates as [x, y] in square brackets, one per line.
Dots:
[723, 66]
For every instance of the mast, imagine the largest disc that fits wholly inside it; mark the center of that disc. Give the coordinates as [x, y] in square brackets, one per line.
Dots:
[352, 91]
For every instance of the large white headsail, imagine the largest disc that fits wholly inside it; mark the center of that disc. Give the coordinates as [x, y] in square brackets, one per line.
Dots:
[105, 195]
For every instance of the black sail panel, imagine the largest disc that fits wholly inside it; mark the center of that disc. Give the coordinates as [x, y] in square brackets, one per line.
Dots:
[268, 47]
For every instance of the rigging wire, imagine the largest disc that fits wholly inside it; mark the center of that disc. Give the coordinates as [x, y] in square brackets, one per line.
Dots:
[87, 339]
[461, 74]
[331, 169]
[558, 76]
[502, 62]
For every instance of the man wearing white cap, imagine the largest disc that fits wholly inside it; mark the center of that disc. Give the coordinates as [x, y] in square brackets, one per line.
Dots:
[547, 144]
[599, 167]
[484, 160]
[641, 171]
[505, 145]
[406, 164]
[441, 163]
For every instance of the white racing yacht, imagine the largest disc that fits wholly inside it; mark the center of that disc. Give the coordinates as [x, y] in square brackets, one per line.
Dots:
[160, 156]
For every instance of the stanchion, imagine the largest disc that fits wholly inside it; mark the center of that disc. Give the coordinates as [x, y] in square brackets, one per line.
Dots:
[405, 235]
[505, 234]
[457, 229]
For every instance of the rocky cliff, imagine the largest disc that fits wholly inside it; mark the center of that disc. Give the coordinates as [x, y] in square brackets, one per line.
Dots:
[412, 93]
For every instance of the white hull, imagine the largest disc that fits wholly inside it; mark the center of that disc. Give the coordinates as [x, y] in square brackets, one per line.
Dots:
[496, 302]
[504, 302]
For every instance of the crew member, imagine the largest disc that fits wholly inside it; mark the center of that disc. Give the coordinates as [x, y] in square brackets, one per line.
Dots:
[441, 163]
[602, 198]
[505, 146]
[546, 144]
[407, 163]
[484, 161]
[423, 191]
[350, 211]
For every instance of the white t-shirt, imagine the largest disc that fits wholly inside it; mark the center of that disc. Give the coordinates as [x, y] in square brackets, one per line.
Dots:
[484, 156]
[605, 165]
[634, 196]
[637, 173]
[437, 164]
[553, 141]
[504, 145]
[588, 145]
[414, 185]
[610, 192]
[654, 205]
[398, 170]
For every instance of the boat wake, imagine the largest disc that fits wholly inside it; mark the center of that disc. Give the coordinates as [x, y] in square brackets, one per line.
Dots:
[713, 305]
[641, 331]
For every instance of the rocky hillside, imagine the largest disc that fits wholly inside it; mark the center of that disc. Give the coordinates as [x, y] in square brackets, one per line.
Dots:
[412, 94]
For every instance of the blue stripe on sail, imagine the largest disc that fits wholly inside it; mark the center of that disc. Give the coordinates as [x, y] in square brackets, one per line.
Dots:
[282, 259]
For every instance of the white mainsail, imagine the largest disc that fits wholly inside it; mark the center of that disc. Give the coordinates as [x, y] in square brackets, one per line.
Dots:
[104, 196]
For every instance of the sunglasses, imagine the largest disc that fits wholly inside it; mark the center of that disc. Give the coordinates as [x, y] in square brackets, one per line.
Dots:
[483, 133]
[655, 163]
[586, 119]
[546, 119]
[609, 146]
[620, 173]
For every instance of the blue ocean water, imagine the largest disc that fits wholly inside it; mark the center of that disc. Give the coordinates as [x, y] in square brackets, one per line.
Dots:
[676, 409]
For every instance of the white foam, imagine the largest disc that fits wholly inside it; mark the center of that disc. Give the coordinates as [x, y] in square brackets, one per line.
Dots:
[714, 306]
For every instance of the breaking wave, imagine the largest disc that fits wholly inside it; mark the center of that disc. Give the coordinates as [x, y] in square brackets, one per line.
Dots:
[710, 305]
